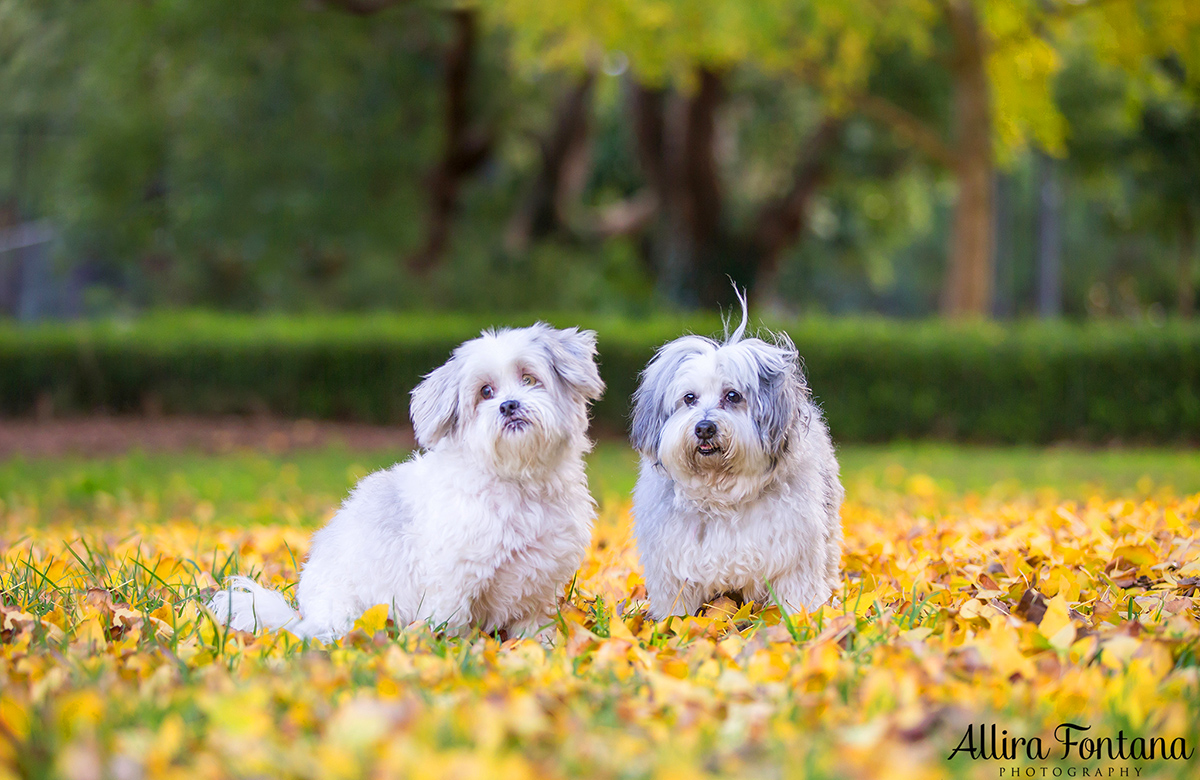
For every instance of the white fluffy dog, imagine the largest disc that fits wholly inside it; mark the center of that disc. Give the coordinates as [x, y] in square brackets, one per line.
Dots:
[485, 527]
[738, 485]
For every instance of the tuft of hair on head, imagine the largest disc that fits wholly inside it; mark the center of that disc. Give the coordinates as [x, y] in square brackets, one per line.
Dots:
[737, 334]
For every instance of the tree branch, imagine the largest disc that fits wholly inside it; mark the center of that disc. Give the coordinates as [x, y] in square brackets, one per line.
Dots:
[909, 127]
[780, 221]
[362, 7]
[565, 163]
[648, 108]
[624, 218]
[466, 147]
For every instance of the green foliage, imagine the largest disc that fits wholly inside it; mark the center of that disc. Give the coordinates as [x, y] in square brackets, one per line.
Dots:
[837, 45]
[1030, 383]
[225, 153]
[667, 40]
[875, 380]
[277, 156]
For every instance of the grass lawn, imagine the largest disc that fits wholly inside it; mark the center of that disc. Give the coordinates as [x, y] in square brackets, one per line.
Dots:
[1018, 587]
[316, 478]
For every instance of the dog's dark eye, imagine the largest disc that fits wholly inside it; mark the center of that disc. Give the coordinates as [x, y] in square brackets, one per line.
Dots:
[733, 397]
[486, 391]
[689, 399]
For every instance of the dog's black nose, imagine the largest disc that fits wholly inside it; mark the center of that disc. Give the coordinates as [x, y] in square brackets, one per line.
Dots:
[705, 430]
[509, 408]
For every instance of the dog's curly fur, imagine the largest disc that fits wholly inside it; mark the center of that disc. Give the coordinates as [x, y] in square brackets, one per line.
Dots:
[738, 488]
[485, 527]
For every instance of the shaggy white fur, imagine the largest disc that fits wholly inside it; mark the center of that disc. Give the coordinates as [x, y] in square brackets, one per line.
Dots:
[738, 485]
[485, 527]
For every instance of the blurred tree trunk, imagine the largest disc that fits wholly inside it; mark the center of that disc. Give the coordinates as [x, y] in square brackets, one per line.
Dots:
[646, 106]
[466, 146]
[363, 7]
[780, 222]
[675, 136]
[692, 255]
[1187, 255]
[1049, 250]
[566, 160]
[968, 285]
[698, 186]
[1004, 301]
[10, 268]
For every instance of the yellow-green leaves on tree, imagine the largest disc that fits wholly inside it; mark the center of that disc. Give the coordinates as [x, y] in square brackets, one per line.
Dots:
[1132, 34]
[667, 40]
[1021, 67]
[1002, 58]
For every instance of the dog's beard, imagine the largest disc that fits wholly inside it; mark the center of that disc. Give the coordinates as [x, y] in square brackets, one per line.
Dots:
[526, 444]
[728, 468]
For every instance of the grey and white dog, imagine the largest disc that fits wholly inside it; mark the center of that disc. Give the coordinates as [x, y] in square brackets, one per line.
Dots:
[738, 484]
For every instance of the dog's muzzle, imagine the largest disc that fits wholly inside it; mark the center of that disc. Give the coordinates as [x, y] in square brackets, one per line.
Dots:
[706, 431]
[512, 420]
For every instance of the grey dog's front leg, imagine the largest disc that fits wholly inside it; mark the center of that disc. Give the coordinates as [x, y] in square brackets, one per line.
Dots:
[801, 590]
[674, 597]
[539, 625]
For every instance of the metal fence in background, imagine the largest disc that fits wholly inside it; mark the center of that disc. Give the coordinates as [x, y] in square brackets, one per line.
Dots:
[31, 286]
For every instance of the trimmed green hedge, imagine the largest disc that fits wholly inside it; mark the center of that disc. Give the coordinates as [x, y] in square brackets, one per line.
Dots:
[876, 379]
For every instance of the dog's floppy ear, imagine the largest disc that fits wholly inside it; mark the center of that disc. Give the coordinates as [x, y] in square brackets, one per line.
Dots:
[781, 394]
[434, 408]
[651, 406]
[572, 354]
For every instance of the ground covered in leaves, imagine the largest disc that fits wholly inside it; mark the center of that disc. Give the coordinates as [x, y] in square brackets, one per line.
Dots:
[959, 610]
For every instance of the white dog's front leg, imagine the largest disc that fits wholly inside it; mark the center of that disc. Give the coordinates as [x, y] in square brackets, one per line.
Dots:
[328, 611]
[674, 597]
[539, 626]
[805, 589]
[448, 610]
